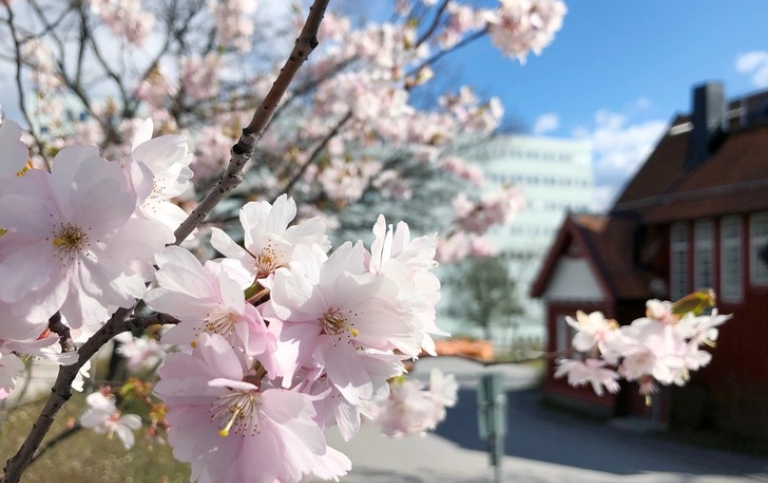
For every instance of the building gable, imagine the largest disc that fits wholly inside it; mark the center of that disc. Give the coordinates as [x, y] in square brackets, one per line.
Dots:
[573, 280]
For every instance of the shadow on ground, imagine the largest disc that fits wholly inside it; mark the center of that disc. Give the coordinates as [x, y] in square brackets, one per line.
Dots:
[538, 433]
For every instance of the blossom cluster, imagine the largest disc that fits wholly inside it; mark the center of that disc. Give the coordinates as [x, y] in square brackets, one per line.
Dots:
[411, 409]
[275, 341]
[280, 340]
[78, 242]
[364, 78]
[661, 348]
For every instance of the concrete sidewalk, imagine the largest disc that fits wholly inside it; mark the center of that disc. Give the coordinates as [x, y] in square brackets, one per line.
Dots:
[542, 446]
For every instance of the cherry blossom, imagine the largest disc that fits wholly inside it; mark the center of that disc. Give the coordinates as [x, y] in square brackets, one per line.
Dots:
[661, 348]
[15, 153]
[232, 430]
[589, 371]
[207, 299]
[521, 26]
[72, 243]
[103, 417]
[269, 241]
[125, 18]
[410, 409]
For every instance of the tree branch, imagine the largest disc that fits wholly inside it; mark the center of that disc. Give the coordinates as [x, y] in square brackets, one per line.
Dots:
[315, 154]
[465, 41]
[65, 338]
[62, 388]
[243, 150]
[20, 85]
[433, 26]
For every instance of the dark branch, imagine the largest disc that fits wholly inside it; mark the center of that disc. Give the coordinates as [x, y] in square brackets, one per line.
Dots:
[65, 339]
[316, 153]
[243, 150]
[62, 388]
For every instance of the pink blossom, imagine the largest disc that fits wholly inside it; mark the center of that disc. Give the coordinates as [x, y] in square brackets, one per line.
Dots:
[483, 246]
[14, 152]
[592, 330]
[72, 243]
[410, 409]
[234, 25]
[208, 299]
[589, 371]
[125, 18]
[232, 430]
[521, 26]
[200, 76]
[269, 241]
[103, 417]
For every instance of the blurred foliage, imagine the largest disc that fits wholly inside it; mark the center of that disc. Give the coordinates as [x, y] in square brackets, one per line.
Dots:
[481, 292]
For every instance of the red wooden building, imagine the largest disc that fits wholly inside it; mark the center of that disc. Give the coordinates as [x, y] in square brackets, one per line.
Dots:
[694, 216]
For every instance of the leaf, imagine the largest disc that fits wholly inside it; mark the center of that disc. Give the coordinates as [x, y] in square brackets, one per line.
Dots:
[696, 302]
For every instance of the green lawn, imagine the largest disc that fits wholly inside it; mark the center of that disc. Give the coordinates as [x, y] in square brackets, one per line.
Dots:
[89, 457]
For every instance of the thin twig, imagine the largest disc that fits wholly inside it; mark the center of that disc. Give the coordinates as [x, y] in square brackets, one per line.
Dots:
[493, 362]
[20, 84]
[62, 436]
[242, 151]
[62, 388]
[315, 154]
[465, 41]
[433, 26]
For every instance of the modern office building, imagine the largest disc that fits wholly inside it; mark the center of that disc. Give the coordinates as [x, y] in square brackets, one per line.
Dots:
[555, 177]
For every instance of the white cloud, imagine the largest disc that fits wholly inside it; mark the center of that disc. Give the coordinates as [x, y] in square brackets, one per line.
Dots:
[754, 64]
[546, 123]
[620, 147]
[603, 197]
[642, 103]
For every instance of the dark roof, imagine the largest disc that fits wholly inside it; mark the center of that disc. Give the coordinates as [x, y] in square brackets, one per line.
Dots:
[734, 179]
[659, 174]
[607, 243]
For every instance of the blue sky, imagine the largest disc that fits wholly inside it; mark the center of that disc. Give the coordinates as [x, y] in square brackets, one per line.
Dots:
[620, 69]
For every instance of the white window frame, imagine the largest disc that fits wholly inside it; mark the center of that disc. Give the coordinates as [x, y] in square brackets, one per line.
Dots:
[703, 254]
[679, 283]
[731, 263]
[758, 237]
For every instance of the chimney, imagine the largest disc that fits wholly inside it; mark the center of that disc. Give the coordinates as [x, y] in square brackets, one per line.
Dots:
[707, 118]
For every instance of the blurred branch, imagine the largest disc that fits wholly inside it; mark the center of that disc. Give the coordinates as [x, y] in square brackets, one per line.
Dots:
[62, 436]
[488, 363]
[19, 82]
[435, 23]
[243, 150]
[315, 154]
[437, 56]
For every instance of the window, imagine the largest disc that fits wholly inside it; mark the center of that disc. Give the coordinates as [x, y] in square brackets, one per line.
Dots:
[758, 234]
[563, 336]
[678, 263]
[703, 257]
[730, 258]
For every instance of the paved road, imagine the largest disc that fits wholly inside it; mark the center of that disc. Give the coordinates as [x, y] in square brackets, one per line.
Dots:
[542, 446]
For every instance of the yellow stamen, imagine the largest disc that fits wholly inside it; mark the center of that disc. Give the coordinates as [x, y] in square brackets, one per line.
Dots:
[193, 344]
[354, 332]
[225, 432]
